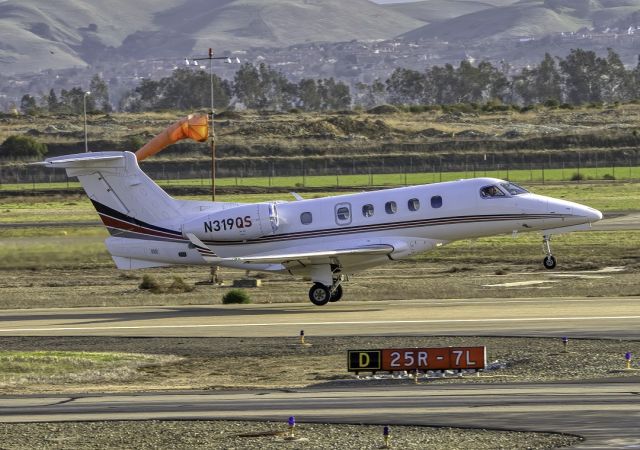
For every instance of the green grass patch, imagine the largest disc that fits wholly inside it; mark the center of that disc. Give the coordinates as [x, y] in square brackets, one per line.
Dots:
[20, 368]
[575, 251]
[537, 175]
[84, 248]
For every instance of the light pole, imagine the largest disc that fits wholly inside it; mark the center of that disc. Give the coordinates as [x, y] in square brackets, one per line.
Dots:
[212, 134]
[84, 104]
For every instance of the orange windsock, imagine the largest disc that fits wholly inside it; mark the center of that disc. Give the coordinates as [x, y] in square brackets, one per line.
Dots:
[194, 126]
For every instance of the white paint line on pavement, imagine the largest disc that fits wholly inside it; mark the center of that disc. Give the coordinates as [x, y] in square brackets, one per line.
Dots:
[280, 324]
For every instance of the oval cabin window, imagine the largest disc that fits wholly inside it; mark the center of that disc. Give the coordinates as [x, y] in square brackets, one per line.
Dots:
[390, 207]
[436, 201]
[413, 204]
[306, 218]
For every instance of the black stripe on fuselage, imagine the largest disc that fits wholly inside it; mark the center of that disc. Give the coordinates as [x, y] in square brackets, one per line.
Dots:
[105, 210]
[387, 226]
[140, 233]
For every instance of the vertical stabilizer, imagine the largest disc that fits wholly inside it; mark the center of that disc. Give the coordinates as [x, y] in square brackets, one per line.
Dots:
[114, 182]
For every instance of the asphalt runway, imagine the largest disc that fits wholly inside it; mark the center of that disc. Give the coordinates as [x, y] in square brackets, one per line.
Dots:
[615, 317]
[606, 413]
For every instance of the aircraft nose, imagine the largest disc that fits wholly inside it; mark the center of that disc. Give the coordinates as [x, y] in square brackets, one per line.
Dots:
[593, 215]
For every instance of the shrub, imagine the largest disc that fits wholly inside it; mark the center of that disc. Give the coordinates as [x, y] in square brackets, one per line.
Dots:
[134, 142]
[608, 176]
[22, 147]
[151, 284]
[577, 176]
[566, 106]
[552, 103]
[235, 296]
[383, 109]
[179, 285]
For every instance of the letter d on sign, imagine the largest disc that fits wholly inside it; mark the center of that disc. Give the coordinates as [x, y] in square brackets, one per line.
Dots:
[367, 360]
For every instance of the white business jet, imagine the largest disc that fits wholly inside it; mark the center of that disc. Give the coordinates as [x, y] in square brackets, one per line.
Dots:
[324, 239]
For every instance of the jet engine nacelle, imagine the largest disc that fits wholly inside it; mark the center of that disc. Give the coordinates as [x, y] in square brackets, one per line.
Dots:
[235, 224]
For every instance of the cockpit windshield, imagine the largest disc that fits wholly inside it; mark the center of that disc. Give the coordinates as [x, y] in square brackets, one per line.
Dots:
[491, 192]
[513, 188]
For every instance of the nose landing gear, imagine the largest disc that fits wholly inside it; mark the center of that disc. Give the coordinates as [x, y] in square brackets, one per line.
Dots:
[549, 261]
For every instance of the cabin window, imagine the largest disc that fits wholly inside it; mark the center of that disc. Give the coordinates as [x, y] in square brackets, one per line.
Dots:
[413, 204]
[306, 218]
[367, 210]
[343, 213]
[491, 192]
[390, 207]
[436, 201]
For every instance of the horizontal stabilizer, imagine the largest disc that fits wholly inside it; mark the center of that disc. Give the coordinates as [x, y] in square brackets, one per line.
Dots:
[112, 159]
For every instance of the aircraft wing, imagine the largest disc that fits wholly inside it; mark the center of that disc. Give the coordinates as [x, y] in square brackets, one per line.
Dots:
[303, 257]
[308, 257]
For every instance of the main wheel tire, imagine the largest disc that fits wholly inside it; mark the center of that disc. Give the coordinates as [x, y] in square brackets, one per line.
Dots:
[549, 262]
[319, 294]
[337, 295]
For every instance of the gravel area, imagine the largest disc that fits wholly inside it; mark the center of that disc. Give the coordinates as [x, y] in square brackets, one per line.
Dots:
[218, 363]
[228, 435]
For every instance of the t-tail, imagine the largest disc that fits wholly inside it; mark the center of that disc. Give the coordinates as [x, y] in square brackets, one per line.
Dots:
[135, 210]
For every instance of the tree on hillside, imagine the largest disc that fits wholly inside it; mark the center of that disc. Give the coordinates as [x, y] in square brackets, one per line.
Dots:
[479, 83]
[22, 148]
[617, 82]
[539, 84]
[369, 95]
[52, 101]
[263, 87]
[28, 105]
[583, 71]
[100, 94]
[334, 96]
[407, 87]
[309, 98]
[72, 101]
[445, 84]
[189, 89]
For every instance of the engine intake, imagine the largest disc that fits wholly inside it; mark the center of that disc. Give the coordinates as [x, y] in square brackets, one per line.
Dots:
[235, 224]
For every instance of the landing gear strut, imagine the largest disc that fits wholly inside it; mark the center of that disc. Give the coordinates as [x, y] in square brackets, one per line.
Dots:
[549, 261]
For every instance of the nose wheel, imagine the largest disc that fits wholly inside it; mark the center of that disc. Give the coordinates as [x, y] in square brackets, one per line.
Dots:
[549, 261]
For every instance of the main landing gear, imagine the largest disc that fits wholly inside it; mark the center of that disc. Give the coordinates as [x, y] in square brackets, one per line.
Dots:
[549, 261]
[320, 295]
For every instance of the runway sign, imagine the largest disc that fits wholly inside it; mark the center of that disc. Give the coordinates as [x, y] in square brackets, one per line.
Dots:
[409, 359]
[364, 360]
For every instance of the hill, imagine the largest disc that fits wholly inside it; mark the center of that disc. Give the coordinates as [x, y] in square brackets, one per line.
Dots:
[40, 34]
[431, 11]
[534, 18]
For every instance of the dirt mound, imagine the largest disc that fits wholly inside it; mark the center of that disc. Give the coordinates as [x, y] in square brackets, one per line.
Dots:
[306, 129]
[366, 127]
[383, 109]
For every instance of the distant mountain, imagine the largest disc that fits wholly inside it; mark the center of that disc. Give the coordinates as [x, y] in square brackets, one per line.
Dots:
[431, 11]
[40, 34]
[533, 18]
